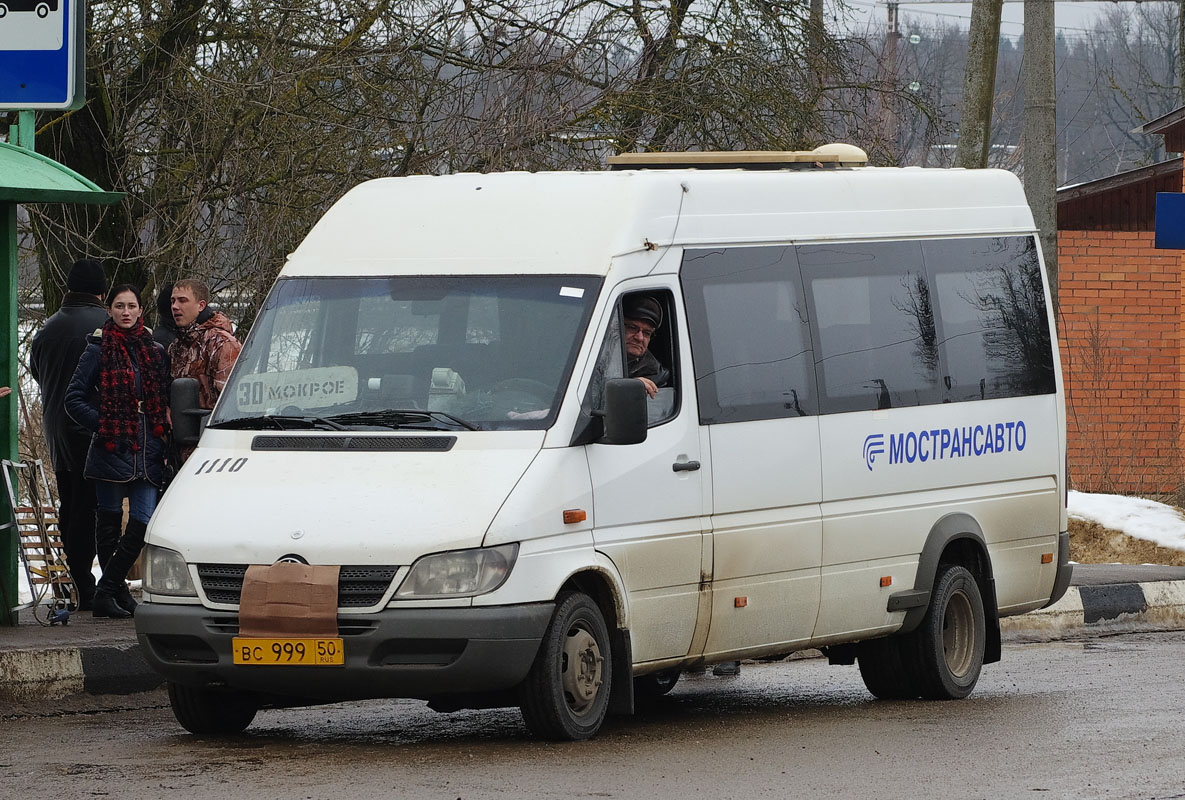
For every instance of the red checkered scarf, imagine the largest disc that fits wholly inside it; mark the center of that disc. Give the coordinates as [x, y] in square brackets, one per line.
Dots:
[119, 404]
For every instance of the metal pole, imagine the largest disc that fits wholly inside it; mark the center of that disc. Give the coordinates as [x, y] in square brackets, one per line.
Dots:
[9, 440]
[8, 409]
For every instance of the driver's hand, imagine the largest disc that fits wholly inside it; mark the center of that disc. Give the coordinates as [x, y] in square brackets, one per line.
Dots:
[651, 388]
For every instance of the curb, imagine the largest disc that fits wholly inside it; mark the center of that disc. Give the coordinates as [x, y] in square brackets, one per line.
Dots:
[1102, 610]
[54, 673]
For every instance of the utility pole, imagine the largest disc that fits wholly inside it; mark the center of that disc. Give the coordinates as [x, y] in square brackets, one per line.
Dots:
[979, 84]
[889, 118]
[1040, 130]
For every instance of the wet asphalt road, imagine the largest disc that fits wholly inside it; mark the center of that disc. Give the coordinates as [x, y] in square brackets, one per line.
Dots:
[1103, 718]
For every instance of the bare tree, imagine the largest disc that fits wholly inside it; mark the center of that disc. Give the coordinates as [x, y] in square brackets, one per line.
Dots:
[231, 126]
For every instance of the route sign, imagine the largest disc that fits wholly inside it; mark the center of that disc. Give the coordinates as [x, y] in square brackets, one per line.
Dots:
[42, 54]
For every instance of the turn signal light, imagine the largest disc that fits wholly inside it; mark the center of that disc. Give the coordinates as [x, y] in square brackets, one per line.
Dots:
[886, 581]
[1047, 558]
[740, 602]
[574, 515]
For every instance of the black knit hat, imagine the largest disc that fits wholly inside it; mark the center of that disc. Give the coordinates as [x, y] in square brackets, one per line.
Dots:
[645, 308]
[87, 277]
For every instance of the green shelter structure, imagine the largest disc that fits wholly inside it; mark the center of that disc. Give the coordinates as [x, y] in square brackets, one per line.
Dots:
[25, 177]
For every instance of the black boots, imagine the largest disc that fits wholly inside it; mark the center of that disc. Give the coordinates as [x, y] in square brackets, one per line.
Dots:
[104, 605]
[112, 598]
[108, 525]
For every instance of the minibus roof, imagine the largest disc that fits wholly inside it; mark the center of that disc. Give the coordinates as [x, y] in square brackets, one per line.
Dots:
[577, 222]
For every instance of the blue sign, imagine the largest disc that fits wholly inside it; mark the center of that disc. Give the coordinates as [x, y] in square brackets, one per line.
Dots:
[41, 54]
[1170, 221]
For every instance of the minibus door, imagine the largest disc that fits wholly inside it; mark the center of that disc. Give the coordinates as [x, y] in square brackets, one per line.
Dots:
[649, 506]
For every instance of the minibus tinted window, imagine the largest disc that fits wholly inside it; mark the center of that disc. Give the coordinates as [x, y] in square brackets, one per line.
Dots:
[783, 331]
[992, 317]
[874, 325]
[494, 351]
[749, 334]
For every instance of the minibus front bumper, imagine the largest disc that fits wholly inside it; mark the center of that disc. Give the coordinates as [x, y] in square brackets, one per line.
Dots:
[413, 652]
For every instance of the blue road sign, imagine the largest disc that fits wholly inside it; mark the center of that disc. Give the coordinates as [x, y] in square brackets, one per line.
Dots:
[1170, 221]
[41, 54]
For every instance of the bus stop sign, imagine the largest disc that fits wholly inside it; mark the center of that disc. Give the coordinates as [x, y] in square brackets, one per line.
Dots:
[42, 54]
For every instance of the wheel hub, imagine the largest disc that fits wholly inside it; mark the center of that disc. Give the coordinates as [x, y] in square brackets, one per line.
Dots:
[958, 634]
[582, 675]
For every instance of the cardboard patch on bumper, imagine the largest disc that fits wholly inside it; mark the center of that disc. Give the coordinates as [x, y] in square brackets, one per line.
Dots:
[285, 600]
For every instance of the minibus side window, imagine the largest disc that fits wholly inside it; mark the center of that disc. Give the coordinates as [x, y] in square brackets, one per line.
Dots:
[992, 320]
[750, 337]
[873, 323]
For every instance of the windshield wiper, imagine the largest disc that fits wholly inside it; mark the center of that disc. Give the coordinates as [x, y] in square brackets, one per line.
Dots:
[284, 422]
[404, 417]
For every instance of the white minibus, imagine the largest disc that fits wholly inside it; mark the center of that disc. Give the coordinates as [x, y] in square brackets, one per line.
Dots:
[559, 437]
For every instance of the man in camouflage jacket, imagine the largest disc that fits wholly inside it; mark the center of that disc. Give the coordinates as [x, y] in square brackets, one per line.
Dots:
[205, 347]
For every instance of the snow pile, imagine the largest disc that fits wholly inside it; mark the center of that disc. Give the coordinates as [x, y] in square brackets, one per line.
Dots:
[1144, 519]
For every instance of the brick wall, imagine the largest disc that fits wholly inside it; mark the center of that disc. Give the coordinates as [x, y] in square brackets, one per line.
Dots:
[1120, 325]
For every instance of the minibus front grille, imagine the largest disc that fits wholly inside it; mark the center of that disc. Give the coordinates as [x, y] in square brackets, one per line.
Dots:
[358, 586]
[357, 444]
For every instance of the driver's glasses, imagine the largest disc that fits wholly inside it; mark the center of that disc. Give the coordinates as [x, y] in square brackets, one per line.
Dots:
[634, 329]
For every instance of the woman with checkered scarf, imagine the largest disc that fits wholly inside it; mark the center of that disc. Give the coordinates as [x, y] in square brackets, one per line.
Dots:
[119, 392]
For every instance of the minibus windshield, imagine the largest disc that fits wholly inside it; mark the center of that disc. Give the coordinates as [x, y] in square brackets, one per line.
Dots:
[409, 353]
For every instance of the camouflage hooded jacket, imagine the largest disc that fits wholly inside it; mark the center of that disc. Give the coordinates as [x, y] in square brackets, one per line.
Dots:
[205, 350]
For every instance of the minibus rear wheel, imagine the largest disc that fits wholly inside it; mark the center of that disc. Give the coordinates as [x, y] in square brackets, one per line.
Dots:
[208, 712]
[566, 694]
[952, 636]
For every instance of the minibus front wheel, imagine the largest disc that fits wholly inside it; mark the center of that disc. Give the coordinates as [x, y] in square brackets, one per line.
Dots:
[210, 712]
[566, 694]
[952, 636]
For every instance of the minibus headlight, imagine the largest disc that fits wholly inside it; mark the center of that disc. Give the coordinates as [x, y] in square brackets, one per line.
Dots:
[459, 573]
[165, 572]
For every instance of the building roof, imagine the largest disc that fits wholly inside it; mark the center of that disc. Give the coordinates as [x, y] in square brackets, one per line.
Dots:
[1123, 202]
[1171, 126]
[29, 177]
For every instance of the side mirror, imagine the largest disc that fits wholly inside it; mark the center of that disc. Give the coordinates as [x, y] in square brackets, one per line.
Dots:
[625, 411]
[188, 418]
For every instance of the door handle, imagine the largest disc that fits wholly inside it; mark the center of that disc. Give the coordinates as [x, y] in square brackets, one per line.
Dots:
[685, 466]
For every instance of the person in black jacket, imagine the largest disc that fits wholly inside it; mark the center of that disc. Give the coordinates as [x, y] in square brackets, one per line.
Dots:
[165, 330]
[53, 356]
[643, 316]
[119, 393]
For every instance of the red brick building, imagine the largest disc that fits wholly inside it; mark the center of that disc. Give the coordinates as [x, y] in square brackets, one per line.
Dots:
[1121, 319]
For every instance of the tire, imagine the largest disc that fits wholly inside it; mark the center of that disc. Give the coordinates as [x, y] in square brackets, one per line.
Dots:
[210, 713]
[655, 685]
[886, 668]
[951, 639]
[566, 694]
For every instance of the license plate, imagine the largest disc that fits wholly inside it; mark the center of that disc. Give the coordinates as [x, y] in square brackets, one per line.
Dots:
[304, 652]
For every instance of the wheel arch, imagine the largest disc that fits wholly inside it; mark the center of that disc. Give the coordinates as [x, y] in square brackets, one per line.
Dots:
[956, 538]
